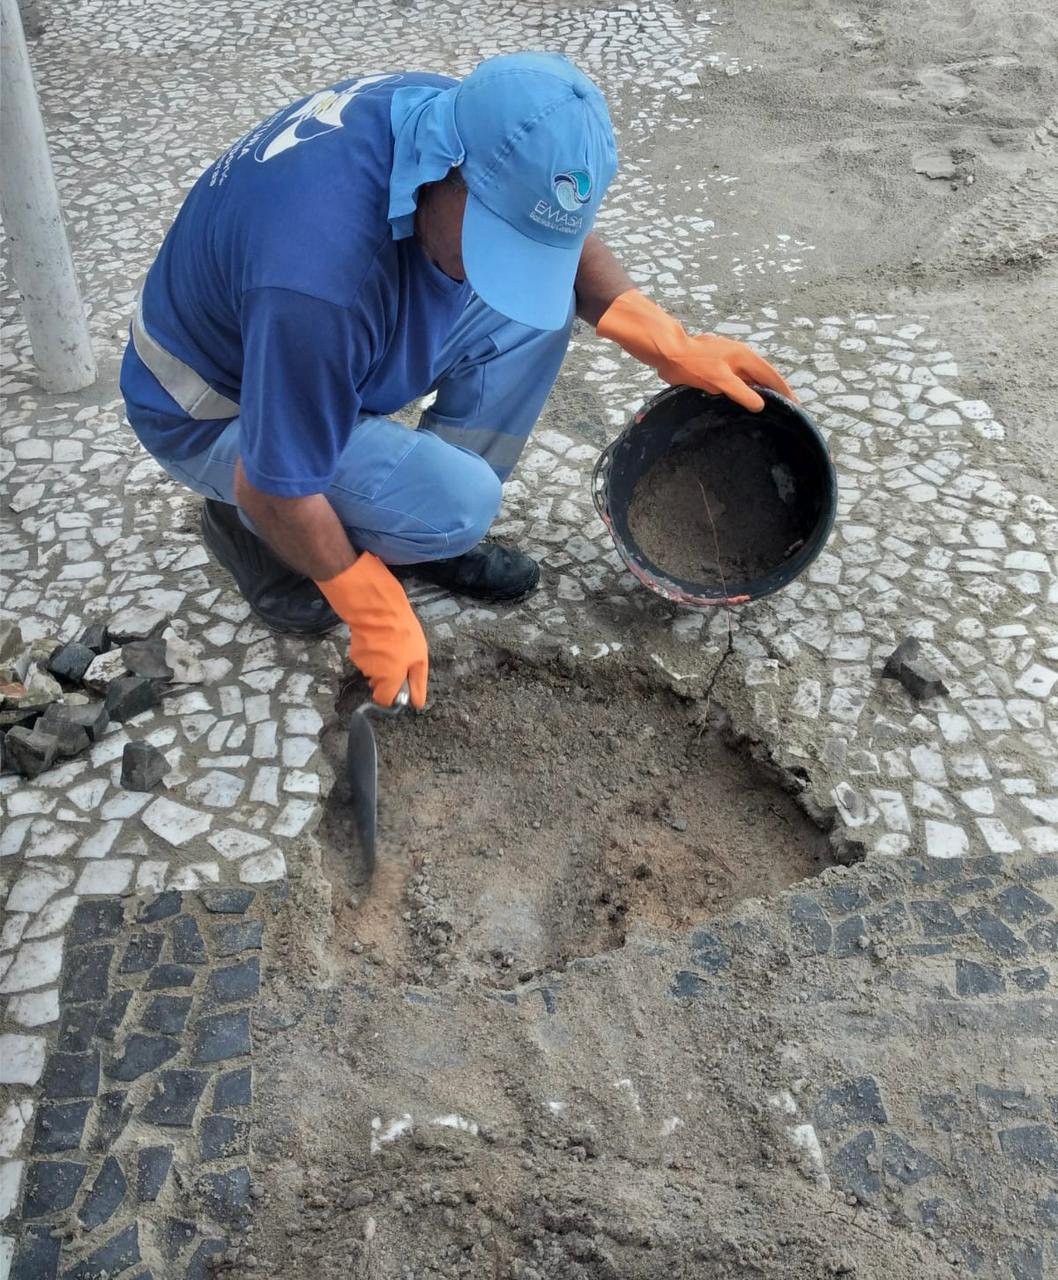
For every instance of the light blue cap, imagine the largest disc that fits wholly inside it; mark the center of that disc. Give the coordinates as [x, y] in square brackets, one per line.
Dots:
[539, 155]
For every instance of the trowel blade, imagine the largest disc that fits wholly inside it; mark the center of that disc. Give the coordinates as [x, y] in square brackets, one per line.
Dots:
[361, 775]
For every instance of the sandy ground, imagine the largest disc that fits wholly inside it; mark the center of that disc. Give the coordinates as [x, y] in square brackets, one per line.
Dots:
[849, 100]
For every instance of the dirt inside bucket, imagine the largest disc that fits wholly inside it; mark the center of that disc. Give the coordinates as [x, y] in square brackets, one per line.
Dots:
[531, 818]
[732, 490]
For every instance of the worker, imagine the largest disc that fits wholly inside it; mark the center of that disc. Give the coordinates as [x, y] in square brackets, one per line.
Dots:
[394, 235]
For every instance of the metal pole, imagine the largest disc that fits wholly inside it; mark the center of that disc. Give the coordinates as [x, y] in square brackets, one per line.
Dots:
[29, 205]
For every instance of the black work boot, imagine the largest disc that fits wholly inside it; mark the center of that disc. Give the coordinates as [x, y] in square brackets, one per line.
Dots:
[282, 599]
[487, 572]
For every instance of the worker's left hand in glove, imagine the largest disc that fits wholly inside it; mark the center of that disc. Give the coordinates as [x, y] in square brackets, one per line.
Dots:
[712, 363]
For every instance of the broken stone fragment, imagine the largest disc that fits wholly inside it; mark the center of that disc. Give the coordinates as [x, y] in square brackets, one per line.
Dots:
[127, 696]
[30, 750]
[41, 687]
[35, 655]
[71, 662]
[147, 658]
[72, 738]
[142, 766]
[136, 624]
[908, 664]
[92, 717]
[183, 659]
[96, 637]
[105, 668]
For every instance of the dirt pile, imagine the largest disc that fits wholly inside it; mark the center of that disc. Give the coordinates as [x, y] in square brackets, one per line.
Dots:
[721, 511]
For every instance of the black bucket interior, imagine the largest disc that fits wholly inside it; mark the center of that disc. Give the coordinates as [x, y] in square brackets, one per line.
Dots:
[709, 502]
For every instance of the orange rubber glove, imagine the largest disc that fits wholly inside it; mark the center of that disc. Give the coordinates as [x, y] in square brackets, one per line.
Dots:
[719, 365]
[386, 640]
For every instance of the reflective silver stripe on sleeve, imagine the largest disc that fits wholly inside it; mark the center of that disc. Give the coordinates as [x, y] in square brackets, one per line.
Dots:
[189, 389]
[499, 449]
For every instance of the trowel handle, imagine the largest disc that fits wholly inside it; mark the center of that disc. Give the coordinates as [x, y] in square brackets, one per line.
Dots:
[400, 702]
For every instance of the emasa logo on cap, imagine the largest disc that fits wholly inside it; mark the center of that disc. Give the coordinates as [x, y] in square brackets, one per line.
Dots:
[572, 189]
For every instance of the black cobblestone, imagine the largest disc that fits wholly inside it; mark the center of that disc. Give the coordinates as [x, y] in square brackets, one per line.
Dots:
[241, 935]
[200, 1267]
[991, 930]
[174, 1098]
[811, 928]
[86, 972]
[96, 637]
[1047, 1210]
[222, 1137]
[233, 1089]
[38, 1255]
[117, 1255]
[226, 901]
[843, 898]
[70, 661]
[847, 937]
[77, 1027]
[854, 1102]
[1035, 1146]
[236, 982]
[688, 986]
[167, 1014]
[854, 1167]
[188, 947]
[973, 979]
[113, 1015]
[221, 1036]
[142, 1054]
[152, 1166]
[169, 975]
[95, 920]
[105, 1196]
[937, 918]
[226, 1195]
[1016, 904]
[128, 696]
[165, 905]
[1043, 937]
[174, 1237]
[71, 1075]
[709, 952]
[1034, 979]
[51, 1186]
[141, 953]
[112, 1115]
[1002, 1104]
[60, 1126]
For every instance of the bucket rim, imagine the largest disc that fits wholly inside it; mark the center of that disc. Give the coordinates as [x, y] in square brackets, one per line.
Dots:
[678, 590]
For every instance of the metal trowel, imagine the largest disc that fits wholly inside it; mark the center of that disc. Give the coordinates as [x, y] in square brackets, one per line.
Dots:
[361, 771]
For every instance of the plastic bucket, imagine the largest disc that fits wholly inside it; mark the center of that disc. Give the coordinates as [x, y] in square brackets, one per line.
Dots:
[676, 424]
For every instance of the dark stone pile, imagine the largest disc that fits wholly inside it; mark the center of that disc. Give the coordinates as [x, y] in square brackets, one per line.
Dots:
[57, 699]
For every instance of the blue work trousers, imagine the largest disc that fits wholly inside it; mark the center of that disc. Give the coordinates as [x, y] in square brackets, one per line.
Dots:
[428, 494]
